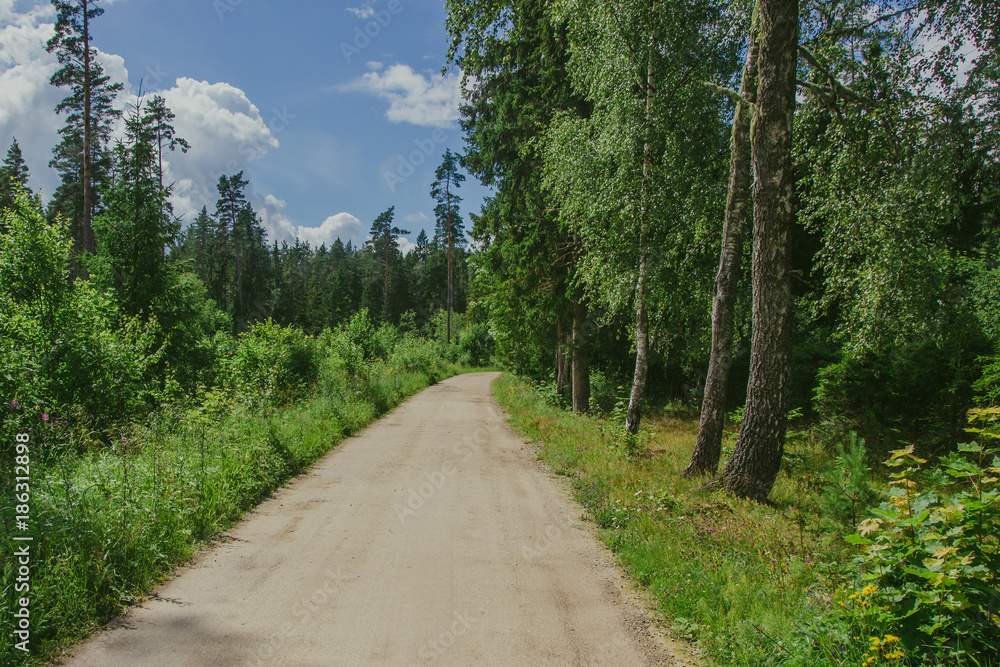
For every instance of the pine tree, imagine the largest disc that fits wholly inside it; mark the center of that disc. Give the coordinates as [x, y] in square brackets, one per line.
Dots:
[383, 242]
[450, 230]
[81, 157]
[13, 175]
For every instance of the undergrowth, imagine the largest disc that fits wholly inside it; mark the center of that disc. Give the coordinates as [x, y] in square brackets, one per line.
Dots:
[109, 522]
[777, 584]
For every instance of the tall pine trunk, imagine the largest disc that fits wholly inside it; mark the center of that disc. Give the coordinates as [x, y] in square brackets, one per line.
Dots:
[448, 195]
[581, 355]
[87, 233]
[385, 291]
[708, 449]
[753, 467]
[634, 414]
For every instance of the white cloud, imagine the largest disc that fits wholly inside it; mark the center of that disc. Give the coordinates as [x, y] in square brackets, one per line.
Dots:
[343, 226]
[406, 246]
[363, 12]
[419, 216]
[431, 101]
[28, 100]
[226, 132]
[376, 66]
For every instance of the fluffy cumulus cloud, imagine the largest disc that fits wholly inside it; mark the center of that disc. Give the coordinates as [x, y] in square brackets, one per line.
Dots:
[406, 246]
[431, 101]
[344, 226]
[226, 132]
[27, 101]
[225, 129]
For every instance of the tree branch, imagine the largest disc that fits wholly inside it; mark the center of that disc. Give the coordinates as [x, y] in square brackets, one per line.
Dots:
[837, 88]
[734, 95]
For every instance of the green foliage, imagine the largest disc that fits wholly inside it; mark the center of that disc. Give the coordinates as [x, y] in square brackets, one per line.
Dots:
[67, 348]
[931, 554]
[272, 365]
[605, 394]
[117, 519]
[476, 345]
[849, 488]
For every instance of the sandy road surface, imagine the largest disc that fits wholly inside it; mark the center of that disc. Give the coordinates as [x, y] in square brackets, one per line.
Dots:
[434, 537]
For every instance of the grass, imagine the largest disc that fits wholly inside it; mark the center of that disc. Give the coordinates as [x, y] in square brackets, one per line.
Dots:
[749, 584]
[109, 524]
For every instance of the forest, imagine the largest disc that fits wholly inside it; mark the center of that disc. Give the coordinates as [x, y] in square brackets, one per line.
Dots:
[778, 220]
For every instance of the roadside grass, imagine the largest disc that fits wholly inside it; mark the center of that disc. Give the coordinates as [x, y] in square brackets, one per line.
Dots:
[109, 524]
[749, 584]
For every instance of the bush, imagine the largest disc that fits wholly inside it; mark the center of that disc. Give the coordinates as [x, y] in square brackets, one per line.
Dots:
[931, 557]
[476, 345]
[65, 347]
[272, 365]
[604, 393]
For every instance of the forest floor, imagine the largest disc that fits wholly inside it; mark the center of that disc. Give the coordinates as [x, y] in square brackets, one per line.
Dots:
[435, 536]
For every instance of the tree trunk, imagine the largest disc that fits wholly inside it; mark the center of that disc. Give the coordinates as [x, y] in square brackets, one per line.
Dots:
[448, 195]
[562, 360]
[239, 319]
[581, 357]
[87, 232]
[754, 465]
[634, 414]
[705, 460]
[385, 307]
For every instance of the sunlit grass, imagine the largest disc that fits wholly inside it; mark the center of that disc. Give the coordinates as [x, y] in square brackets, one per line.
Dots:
[750, 584]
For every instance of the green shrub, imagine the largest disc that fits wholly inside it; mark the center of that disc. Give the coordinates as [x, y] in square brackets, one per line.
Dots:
[605, 394]
[273, 364]
[931, 557]
[476, 345]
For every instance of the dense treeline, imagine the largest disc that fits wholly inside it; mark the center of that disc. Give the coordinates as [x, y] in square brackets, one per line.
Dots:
[768, 210]
[112, 306]
[623, 174]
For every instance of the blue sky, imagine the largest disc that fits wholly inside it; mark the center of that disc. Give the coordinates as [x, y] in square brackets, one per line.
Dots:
[335, 110]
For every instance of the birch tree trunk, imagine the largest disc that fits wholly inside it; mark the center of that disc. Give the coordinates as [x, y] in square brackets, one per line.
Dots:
[634, 414]
[708, 449]
[753, 467]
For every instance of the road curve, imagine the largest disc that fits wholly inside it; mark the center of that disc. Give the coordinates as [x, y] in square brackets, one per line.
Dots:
[434, 537]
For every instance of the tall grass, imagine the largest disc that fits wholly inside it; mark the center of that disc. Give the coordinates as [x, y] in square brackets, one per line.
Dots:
[749, 584]
[110, 522]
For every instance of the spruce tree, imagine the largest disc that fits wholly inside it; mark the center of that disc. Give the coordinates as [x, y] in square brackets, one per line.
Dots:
[13, 175]
[133, 231]
[160, 119]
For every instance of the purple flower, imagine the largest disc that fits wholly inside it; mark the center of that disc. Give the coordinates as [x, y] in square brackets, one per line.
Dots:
[13, 404]
[45, 416]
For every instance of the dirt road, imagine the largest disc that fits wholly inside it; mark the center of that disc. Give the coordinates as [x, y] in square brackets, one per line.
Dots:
[435, 537]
